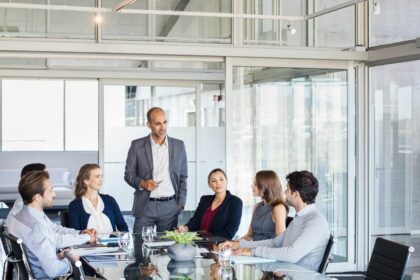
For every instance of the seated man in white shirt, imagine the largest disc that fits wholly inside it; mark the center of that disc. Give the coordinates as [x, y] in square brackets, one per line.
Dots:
[306, 237]
[65, 237]
[34, 227]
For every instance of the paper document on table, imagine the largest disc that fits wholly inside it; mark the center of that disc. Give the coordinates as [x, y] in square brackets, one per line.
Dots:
[109, 258]
[249, 260]
[202, 250]
[94, 251]
[159, 243]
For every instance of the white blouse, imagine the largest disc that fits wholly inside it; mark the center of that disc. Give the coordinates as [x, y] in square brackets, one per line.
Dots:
[97, 220]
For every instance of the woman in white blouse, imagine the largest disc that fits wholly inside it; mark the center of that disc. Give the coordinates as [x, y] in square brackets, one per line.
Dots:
[91, 209]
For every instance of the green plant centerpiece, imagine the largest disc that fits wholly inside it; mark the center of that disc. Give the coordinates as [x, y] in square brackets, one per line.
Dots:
[182, 250]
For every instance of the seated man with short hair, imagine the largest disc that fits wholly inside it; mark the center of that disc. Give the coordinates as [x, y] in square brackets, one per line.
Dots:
[305, 239]
[65, 237]
[34, 227]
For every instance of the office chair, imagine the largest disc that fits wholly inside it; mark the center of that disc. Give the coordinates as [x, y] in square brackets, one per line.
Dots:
[288, 220]
[64, 218]
[387, 262]
[327, 255]
[18, 257]
[78, 273]
[8, 262]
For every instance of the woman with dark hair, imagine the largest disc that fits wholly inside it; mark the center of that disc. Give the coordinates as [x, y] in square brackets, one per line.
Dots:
[219, 214]
[269, 215]
[91, 209]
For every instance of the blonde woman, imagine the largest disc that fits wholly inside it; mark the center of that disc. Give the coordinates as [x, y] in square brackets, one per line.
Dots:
[91, 209]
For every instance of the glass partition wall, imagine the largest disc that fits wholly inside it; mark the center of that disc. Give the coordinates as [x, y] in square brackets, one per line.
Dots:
[196, 115]
[253, 22]
[291, 119]
[395, 142]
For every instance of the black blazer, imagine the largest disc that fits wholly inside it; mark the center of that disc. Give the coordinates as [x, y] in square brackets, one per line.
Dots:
[227, 219]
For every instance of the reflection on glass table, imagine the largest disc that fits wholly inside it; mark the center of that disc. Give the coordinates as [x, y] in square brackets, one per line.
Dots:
[144, 262]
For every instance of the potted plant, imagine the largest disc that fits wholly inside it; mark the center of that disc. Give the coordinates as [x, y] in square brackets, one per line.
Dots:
[182, 250]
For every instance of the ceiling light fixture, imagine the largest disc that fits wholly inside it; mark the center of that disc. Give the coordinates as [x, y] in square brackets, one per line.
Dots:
[122, 4]
[98, 18]
[291, 29]
[376, 7]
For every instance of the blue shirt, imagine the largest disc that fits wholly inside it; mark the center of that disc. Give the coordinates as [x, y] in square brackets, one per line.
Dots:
[34, 228]
[65, 237]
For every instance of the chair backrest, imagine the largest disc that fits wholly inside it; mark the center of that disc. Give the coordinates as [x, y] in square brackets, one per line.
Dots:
[288, 220]
[4, 242]
[64, 218]
[388, 260]
[78, 273]
[8, 263]
[327, 255]
[20, 260]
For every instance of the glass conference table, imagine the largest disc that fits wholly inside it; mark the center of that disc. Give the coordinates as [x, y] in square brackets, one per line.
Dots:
[139, 261]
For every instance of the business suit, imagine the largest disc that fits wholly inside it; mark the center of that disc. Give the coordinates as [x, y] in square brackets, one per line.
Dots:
[139, 166]
[227, 219]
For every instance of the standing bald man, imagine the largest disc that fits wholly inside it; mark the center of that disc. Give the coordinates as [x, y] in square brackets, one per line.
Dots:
[156, 168]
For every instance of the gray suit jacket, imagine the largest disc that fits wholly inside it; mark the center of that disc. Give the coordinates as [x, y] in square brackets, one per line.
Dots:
[139, 166]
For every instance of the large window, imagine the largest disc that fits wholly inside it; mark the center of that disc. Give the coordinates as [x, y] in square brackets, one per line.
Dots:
[172, 28]
[336, 29]
[393, 21]
[287, 119]
[395, 132]
[49, 115]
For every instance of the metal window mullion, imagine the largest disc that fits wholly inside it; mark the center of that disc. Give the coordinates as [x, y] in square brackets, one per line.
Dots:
[1, 115]
[64, 115]
[101, 123]
[310, 24]
[230, 161]
[351, 160]
[362, 179]
[98, 26]
[238, 24]
[47, 20]
[197, 141]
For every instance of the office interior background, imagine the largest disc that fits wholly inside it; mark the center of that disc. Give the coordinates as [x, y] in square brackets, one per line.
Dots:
[325, 85]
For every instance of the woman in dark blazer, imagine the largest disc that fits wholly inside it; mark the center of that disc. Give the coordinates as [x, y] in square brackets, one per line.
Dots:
[91, 209]
[219, 214]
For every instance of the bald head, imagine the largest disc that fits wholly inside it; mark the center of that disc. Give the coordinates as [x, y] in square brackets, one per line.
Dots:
[152, 111]
[157, 123]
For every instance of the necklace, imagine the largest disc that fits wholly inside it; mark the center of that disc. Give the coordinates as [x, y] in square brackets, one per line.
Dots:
[94, 201]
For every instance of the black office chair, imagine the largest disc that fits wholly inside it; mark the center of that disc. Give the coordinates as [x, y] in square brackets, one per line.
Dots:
[8, 263]
[64, 218]
[288, 220]
[327, 255]
[387, 262]
[78, 273]
[18, 258]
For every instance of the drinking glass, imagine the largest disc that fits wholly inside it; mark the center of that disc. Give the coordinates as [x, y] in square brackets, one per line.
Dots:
[123, 239]
[224, 256]
[226, 272]
[148, 232]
